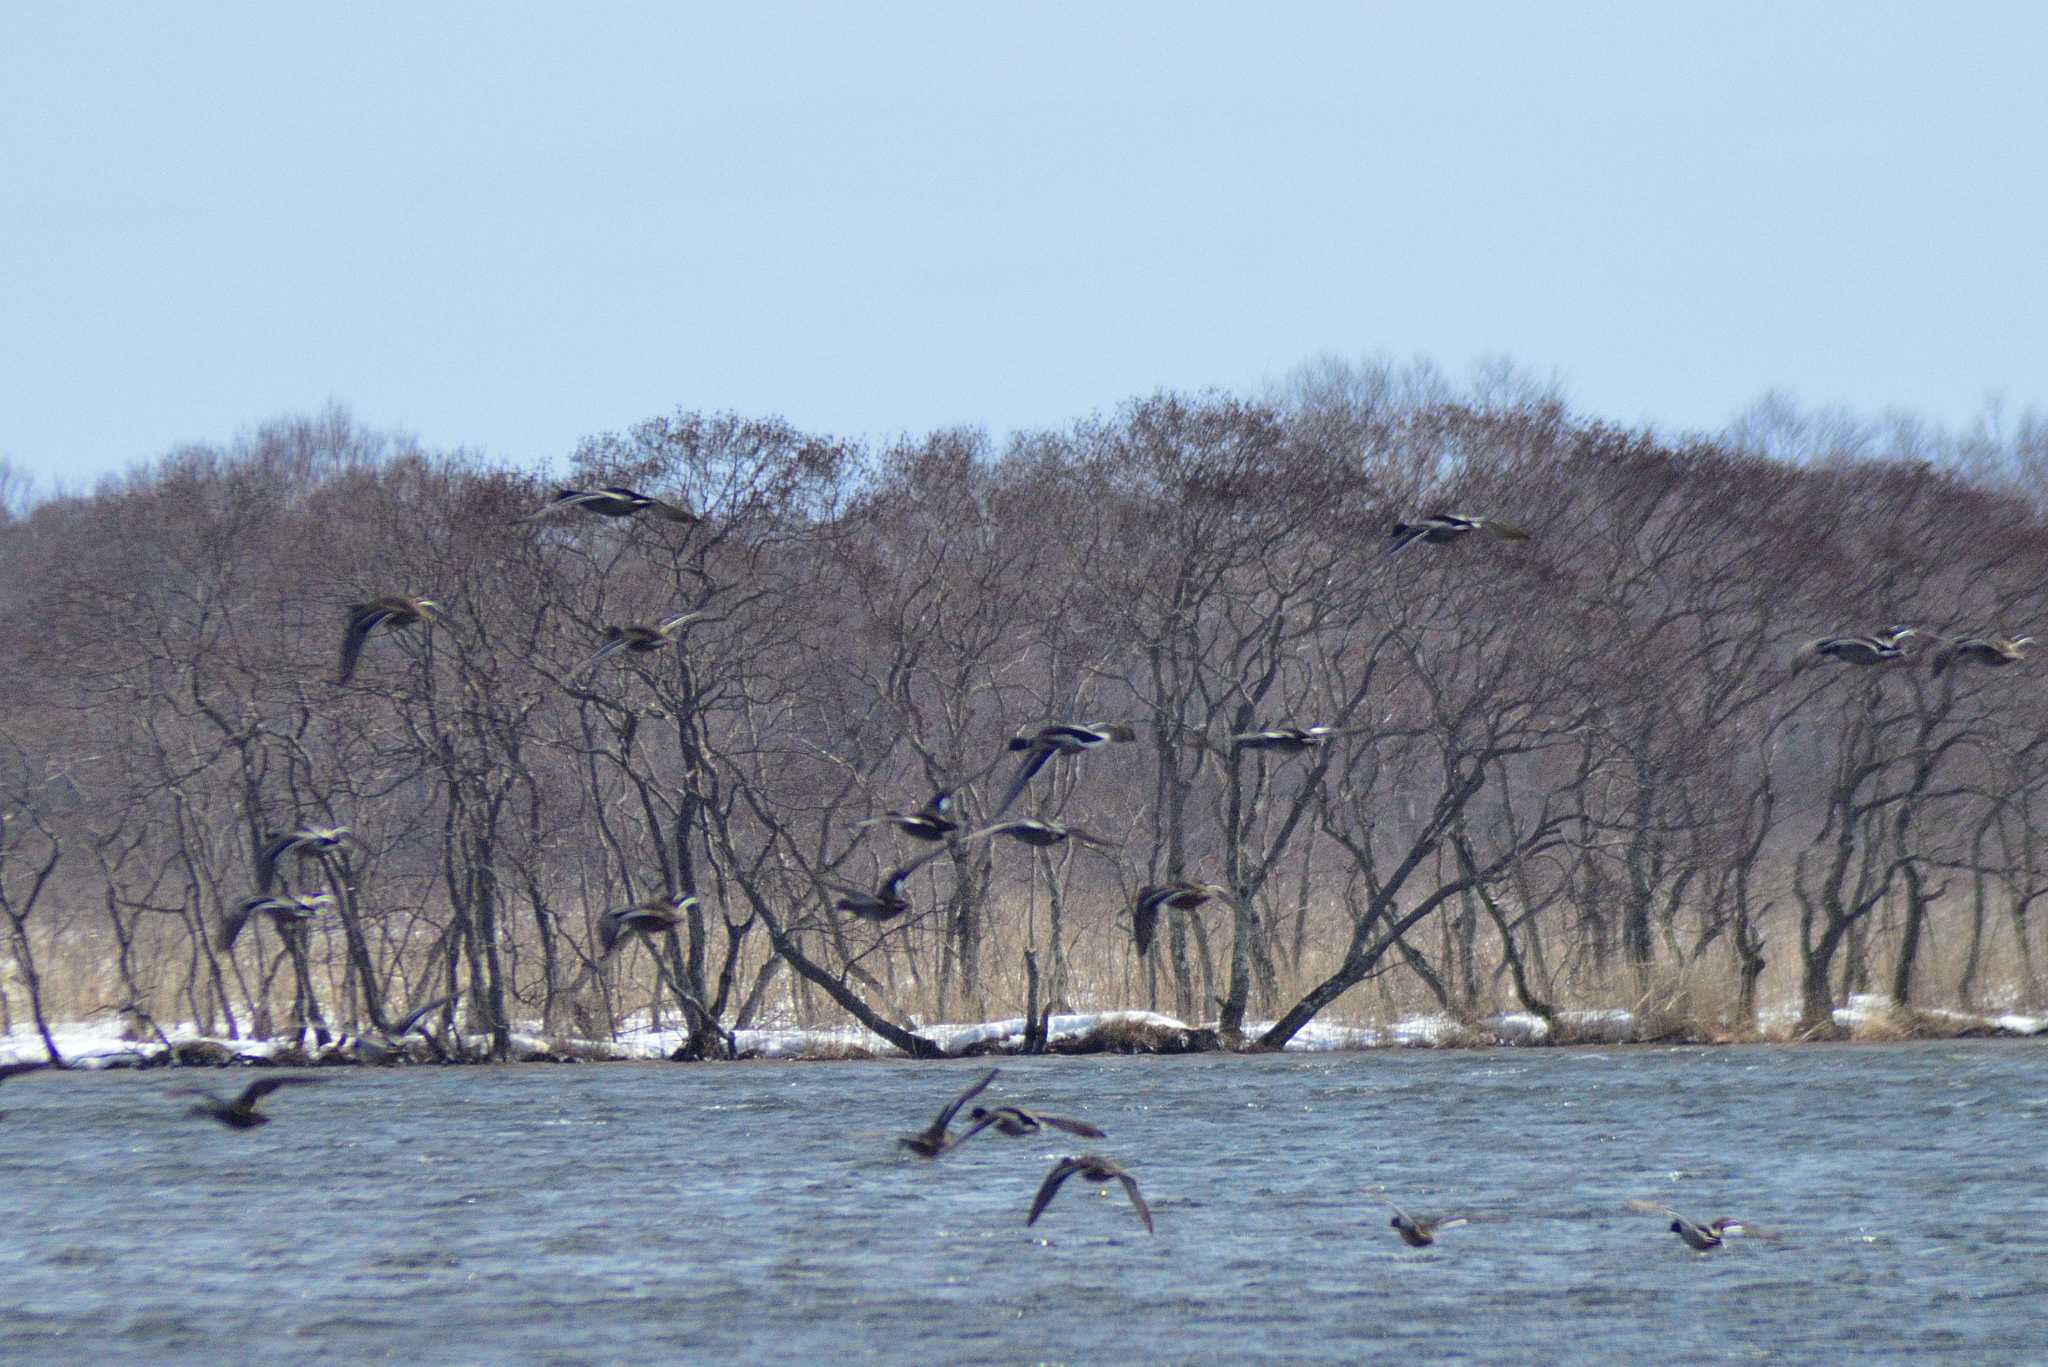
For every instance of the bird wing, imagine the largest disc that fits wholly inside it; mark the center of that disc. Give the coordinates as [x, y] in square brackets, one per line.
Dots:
[1388, 1202]
[1089, 839]
[360, 623]
[673, 512]
[1137, 1201]
[615, 640]
[231, 922]
[1033, 762]
[264, 1086]
[1652, 1208]
[266, 859]
[1049, 1188]
[1405, 535]
[1060, 1122]
[411, 1022]
[1745, 1229]
[1145, 921]
[565, 498]
[986, 1119]
[945, 1120]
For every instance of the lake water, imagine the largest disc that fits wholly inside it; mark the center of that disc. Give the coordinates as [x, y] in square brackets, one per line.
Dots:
[763, 1212]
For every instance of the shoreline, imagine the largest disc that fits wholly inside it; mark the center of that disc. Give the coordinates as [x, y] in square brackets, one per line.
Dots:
[89, 1048]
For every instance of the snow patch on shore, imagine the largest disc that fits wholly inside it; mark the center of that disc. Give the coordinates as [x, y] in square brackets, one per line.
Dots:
[98, 1044]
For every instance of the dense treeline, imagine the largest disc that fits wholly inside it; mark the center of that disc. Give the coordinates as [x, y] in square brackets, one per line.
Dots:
[1579, 770]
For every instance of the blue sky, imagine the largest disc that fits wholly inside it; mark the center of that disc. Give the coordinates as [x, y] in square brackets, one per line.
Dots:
[508, 226]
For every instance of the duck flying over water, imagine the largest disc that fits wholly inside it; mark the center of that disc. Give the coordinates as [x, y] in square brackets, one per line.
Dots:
[1440, 528]
[306, 842]
[641, 640]
[1882, 648]
[1091, 1168]
[241, 1113]
[1288, 740]
[1419, 1233]
[1158, 897]
[1041, 834]
[933, 1139]
[1705, 1238]
[284, 912]
[933, 821]
[389, 613]
[1016, 1122]
[612, 501]
[1061, 738]
[1993, 651]
[642, 918]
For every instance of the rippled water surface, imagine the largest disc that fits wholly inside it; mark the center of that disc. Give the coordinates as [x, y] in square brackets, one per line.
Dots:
[758, 1211]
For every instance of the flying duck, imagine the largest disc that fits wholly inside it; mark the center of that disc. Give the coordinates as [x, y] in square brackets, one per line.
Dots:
[932, 1140]
[1439, 528]
[1421, 1233]
[241, 1113]
[1092, 1169]
[1855, 650]
[1061, 738]
[391, 613]
[612, 501]
[1706, 1238]
[933, 821]
[1288, 740]
[642, 918]
[641, 640]
[1156, 897]
[1015, 1121]
[1042, 834]
[285, 912]
[306, 841]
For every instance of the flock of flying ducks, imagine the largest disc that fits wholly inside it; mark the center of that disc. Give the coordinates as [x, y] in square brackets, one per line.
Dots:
[935, 823]
[937, 1139]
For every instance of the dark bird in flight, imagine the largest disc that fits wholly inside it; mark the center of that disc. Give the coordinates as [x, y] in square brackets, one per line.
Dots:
[1061, 738]
[1158, 897]
[389, 613]
[612, 501]
[1016, 1122]
[887, 902]
[284, 912]
[1440, 528]
[1882, 648]
[641, 640]
[306, 842]
[1706, 1238]
[933, 1139]
[1041, 834]
[642, 918]
[1091, 1169]
[1421, 1233]
[1289, 740]
[933, 821]
[241, 1113]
